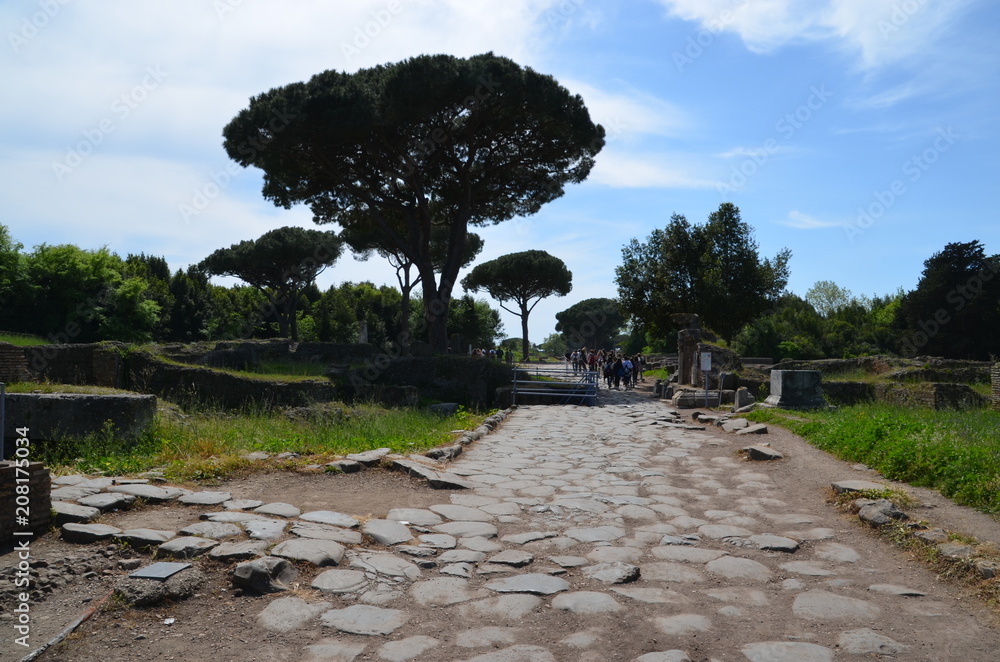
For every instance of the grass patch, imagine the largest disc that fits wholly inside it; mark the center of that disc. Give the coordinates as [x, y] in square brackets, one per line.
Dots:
[23, 339]
[293, 369]
[658, 373]
[957, 453]
[45, 387]
[211, 446]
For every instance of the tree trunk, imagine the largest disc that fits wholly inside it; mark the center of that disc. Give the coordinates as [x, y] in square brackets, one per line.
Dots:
[525, 345]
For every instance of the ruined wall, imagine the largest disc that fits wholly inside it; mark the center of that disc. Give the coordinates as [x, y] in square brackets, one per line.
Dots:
[996, 387]
[53, 416]
[13, 366]
[39, 499]
[930, 395]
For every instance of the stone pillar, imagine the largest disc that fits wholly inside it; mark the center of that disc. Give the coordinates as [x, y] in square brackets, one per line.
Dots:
[996, 387]
[687, 347]
[363, 332]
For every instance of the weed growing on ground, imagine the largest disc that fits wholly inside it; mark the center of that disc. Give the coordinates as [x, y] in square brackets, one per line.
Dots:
[210, 446]
[957, 453]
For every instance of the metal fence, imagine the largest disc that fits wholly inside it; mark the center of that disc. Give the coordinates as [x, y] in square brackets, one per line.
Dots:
[556, 384]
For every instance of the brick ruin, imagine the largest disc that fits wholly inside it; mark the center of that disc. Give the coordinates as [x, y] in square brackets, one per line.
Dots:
[995, 399]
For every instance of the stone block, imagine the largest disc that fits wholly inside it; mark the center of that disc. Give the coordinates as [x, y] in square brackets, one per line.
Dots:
[796, 389]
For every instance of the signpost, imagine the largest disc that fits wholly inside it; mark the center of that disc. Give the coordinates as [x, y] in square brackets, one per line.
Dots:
[706, 367]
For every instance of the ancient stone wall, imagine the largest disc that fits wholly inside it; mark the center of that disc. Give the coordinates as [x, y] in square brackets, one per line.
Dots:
[53, 416]
[996, 387]
[39, 496]
[930, 395]
[13, 366]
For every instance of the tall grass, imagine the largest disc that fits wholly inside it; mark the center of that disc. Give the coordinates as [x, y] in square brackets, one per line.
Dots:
[957, 453]
[212, 445]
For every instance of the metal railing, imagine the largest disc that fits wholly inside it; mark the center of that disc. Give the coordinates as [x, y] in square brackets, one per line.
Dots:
[560, 384]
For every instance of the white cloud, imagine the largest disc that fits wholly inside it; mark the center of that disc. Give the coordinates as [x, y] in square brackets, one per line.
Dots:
[879, 32]
[626, 170]
[630, 114]
[800, 221]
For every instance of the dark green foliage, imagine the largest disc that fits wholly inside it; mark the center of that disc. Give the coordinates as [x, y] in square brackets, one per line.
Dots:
[433, 141]
[591, 323]
[955, 309]
[521, 278]
[713, 270]
[280, 264]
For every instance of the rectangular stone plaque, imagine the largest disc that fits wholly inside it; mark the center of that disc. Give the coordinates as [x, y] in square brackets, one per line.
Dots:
[161, 571]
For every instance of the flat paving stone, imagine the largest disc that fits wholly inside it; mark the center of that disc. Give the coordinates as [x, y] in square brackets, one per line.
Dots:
[141, 538]
[329, 649]
[519, 653]
[732, 567]
[242, 504]
[824, 606]
[388, 565]
[569, 561]
[438, 540]
[71, 512]
[512, 607]
[612, 573]
[468, 529]
[687, 554]
[675, 655]
[651, 596]
[868, 642]
[894, 589]
[265, 529]
[339, 581]
[206, 498]
[365, 619]
[773, 543]
[238, 551]
[532, 583]
[72, 493]
[214, 530]
[720, 531]
[232, 517]
[682, 625]
[786, 651]
[369, 458]
[671, 572]
[318, 552]
[512, 557]
[596, 534]
[330, 517]
[186, 547]
[150, 493]
[407, 649]
[387, 532]
[461, 513]
[836, 552]
[414, 516]
[323, 532]
[291, 613]
[87, 533]
[489, 636]
[278, 509]
[842, 486]
[586, 602]
[528, 536]
[444, 591]
[806, 568]
[107, 501]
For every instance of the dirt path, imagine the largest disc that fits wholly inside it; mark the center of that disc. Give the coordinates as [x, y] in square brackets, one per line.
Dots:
[538, 561]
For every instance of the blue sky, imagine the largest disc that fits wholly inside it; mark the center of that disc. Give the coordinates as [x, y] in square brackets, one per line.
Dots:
[861, 134]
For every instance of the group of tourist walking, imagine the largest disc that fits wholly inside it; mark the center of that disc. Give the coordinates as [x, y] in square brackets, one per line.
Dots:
[618, 370]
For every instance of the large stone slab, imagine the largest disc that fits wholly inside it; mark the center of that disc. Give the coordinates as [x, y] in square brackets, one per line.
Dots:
[143, 538]
[339, 581]
[461, 513]
[279, 509]
[330, 517]
[267, 574]
[370, 458]
[186, 546]
[387, 565]
[206, 498]
[150, 493]
[238, 551]
[825, 606]
[786, 651]
[318, 552]
[291, 613]
[87, 533]
[444, 591]
[533, 583]
[323, 532]
[107, 501]
[414, 516]
[586, 602]
[265, 529]
[70, 512]
[796, 389]
[214, 530]
[468, 529]
[387, 532]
